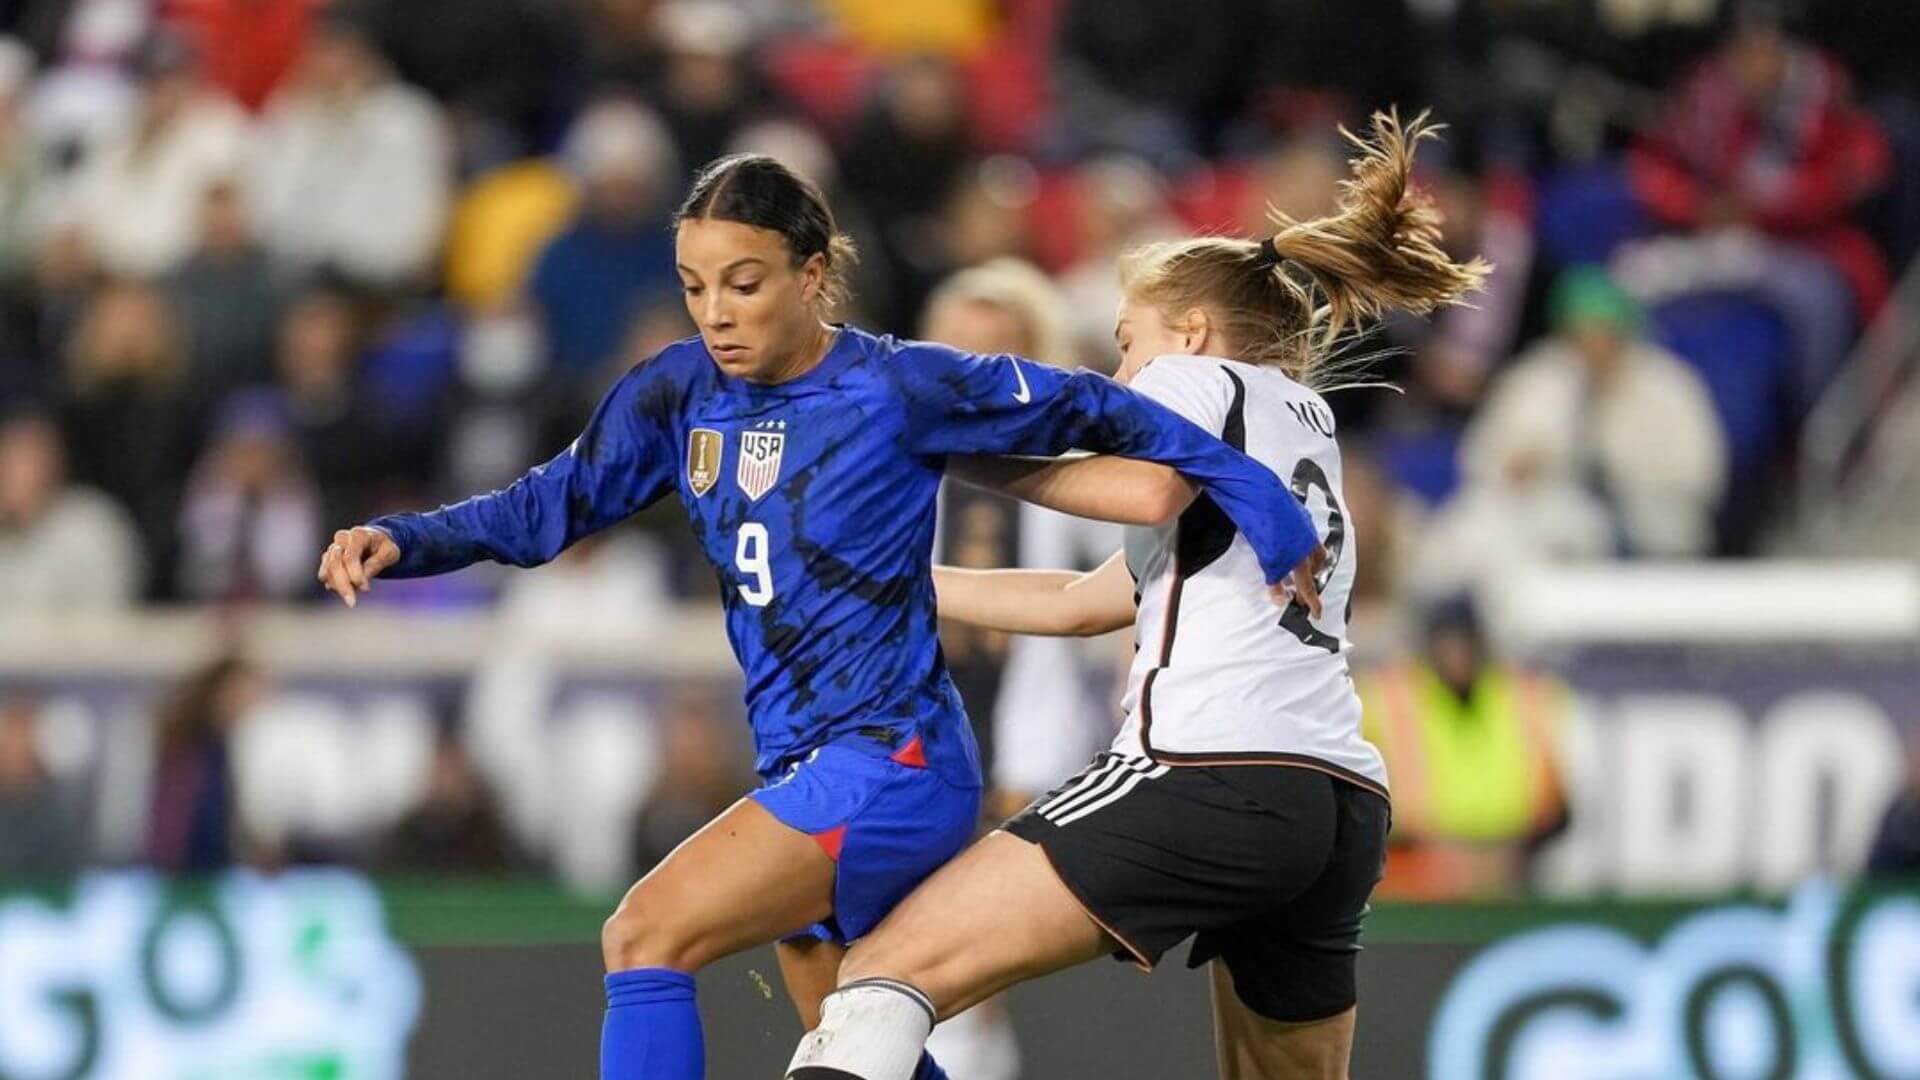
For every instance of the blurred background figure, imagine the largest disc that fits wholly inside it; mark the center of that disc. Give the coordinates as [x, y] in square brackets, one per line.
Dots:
[457, 827]
[1299, 177]
[1595, 444]
[43, 835]
[702, 771]
[1474, 747]
[707, 87]
[27, 208]
[1765, 136]
[615, 258]
[333, 418]
[947, 27]
[500, 224]
[492, 432]
[226, 298]
[139, 198]
[986, 214]
[903, 163]
[193, 821]
[132, 420]
[1134, 76]
[250, 509]
[352, 169]
[248, 45]
[493, 63]
[1120, 203]
[62, 547]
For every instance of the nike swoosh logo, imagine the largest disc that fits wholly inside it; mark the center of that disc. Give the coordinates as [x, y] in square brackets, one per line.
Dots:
[1022, 395]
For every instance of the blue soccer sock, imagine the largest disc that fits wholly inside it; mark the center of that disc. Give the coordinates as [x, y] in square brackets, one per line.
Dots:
[652, 1029]
[927, 1070]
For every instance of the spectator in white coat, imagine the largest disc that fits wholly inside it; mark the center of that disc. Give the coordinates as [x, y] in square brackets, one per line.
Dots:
[62, 547]
[353, 167]
[1605, 417]
[138, 199]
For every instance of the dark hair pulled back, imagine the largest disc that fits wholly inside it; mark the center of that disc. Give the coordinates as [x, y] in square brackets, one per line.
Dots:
[757, 190]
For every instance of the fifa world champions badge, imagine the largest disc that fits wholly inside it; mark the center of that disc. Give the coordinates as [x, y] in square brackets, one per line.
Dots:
[704, 448]
[759, 467]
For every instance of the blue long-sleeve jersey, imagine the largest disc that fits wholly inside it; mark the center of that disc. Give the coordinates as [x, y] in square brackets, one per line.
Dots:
[814, 500]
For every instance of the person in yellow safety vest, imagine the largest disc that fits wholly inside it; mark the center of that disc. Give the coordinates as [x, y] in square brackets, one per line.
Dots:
[1472, 746]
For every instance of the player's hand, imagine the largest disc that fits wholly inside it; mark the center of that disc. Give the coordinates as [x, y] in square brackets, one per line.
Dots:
[354, 559]
[1303, 583]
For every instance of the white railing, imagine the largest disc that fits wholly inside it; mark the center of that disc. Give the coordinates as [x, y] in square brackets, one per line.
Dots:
[688, 641]
[1736, 603]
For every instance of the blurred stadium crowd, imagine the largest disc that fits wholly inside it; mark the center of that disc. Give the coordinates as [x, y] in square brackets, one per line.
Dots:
[269, 267]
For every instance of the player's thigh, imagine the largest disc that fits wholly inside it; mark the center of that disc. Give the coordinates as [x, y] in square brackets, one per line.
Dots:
[994, 916]
[1254, 1047]
[1285, 980]
[809, 967]
[743, 880]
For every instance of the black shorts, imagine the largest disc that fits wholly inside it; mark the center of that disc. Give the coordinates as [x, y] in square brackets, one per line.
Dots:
[1270, 866]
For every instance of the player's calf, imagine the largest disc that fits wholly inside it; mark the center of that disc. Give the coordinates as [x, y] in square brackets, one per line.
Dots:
[870, 1029]
[898, 953]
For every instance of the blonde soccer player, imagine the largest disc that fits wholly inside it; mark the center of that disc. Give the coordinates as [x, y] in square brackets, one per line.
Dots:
[1239, 803]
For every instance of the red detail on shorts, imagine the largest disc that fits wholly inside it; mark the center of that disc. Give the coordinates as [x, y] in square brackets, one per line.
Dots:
[912, 755]
[831, 840]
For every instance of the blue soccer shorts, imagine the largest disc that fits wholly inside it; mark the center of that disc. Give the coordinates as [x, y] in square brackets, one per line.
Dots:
[888, 821]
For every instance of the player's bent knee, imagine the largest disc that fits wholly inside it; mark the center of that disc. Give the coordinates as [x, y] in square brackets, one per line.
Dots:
[619, 936]
[640, 935]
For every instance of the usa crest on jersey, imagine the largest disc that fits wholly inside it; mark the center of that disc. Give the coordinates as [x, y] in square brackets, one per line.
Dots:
[759, 468]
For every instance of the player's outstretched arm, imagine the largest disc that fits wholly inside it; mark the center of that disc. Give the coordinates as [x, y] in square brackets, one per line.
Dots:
[1053, 603]
[621, 462]
[1100, 486]
[1004, 405]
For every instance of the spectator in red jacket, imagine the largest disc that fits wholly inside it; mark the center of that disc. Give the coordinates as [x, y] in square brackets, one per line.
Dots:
[1765, 134]
[249, 45]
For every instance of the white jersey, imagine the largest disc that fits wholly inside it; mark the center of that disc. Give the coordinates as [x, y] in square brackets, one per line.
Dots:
[1222, 674]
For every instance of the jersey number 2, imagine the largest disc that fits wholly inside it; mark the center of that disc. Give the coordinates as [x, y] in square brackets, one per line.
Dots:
[1295, 620]
[750, 558]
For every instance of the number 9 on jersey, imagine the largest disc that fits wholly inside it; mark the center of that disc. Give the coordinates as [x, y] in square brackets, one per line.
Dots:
[750, 559]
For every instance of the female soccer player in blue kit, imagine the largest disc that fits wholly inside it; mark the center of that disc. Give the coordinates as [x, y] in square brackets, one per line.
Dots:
[808, 457]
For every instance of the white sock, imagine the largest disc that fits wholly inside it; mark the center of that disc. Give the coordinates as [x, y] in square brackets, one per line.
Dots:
[873, 1029]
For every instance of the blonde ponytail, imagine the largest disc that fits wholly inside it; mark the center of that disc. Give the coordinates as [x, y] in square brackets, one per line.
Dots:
[1381, 250]
[1288, 301]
